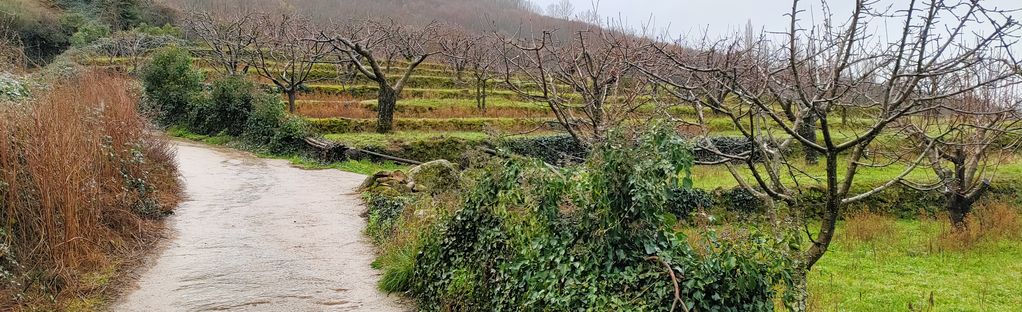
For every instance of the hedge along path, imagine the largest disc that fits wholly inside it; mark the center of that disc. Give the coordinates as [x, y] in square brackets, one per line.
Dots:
[257, 234]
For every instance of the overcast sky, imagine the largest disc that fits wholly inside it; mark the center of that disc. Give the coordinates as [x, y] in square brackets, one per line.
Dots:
[718, 17]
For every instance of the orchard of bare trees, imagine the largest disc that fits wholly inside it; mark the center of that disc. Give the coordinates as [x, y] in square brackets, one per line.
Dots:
[937, 92]
[522, 155]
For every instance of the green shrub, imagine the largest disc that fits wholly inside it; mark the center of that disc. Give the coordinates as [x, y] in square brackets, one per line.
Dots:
[227, 108]
[383, 210]
[88, 32]
[598, 236]
[37, 26]
[740, 200]
[171, 85]
[165, 30]
[267, 115]
[556, 149]
[290, 136]
[685, 201]
[11, 89]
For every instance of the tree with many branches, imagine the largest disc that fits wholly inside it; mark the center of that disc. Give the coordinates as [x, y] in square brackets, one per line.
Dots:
[769, 91]
[587, 79]
[285, 56]
[455, 47]
[972, 133]
[228, 37]
[360, 42]
[475, 54]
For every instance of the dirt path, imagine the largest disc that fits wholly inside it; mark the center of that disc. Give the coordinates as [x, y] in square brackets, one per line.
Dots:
[258, 234]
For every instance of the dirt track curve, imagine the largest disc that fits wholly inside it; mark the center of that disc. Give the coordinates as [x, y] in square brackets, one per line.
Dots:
[261, 235]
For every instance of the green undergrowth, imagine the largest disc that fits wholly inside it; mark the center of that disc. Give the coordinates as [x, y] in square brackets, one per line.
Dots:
[365, 167]
[515, 234]
[907, 270]
[420, 146]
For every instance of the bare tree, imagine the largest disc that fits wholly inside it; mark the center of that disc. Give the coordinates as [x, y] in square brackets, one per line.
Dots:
[455, 47]
[132, 45]
[586, 80]
[972, 133]
[285, 56]
[360, 42]
[475, 54]
[484, 63]
[561, 9]
[769, 91]
[229, 37]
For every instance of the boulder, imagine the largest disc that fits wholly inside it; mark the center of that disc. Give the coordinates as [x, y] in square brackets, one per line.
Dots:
[394, 180]
[434, 177]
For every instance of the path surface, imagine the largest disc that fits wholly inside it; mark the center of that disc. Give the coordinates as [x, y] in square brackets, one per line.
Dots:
[260, 235]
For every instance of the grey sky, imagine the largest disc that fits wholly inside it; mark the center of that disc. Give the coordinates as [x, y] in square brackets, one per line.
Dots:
[717, 17]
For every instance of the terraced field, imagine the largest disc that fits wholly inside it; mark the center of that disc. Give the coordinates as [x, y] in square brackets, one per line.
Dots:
[438, 117]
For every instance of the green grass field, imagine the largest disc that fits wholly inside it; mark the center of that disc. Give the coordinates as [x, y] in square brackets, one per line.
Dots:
[910, 269]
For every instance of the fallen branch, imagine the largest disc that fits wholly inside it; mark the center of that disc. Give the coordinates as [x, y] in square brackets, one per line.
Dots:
[388, 157]
[674, 279]
[327, 146]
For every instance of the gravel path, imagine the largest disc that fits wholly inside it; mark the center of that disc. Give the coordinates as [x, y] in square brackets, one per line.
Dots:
[260, 235]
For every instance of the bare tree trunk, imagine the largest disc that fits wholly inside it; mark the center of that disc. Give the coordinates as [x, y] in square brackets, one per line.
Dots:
[481, 94]
[830, 215]
[387, 101]
[292, 96]
[808, 130]
[484, 95]
[958, 207]
[961, 195]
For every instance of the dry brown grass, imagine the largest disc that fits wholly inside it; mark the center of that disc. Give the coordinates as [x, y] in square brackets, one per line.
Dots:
[84, 180]
[867, 227]
[988, 222]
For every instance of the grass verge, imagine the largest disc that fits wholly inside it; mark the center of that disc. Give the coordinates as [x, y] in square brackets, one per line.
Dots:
[912, 269]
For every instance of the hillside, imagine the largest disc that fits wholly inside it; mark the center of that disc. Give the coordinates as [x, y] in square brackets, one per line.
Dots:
[478, 15]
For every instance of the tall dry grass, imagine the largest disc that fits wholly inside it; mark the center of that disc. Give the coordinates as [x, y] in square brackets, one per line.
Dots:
[866, 227]
[84, 183]
[988, 222]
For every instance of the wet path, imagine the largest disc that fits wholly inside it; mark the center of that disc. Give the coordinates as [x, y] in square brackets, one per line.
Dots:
[260, 235]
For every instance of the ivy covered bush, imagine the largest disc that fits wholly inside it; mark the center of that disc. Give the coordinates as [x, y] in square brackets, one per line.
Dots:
[604, 235]
[556, 149]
